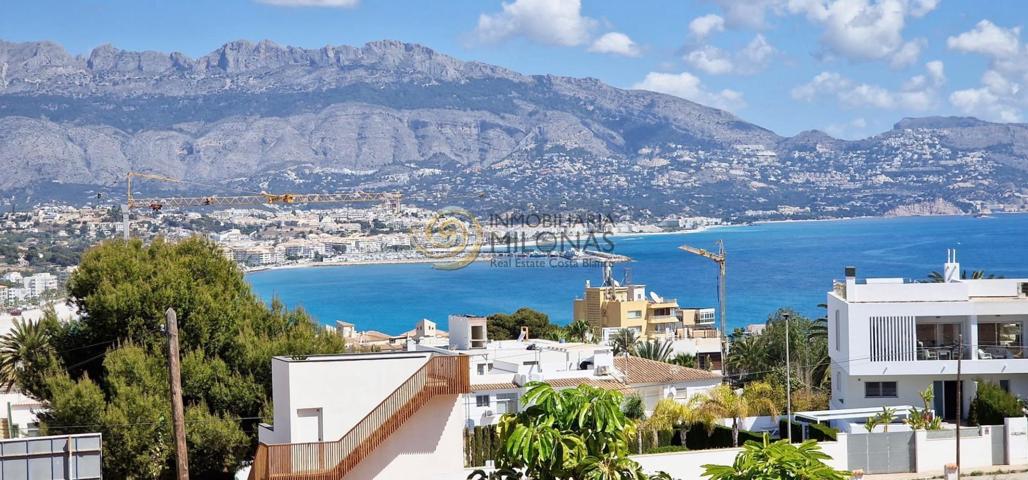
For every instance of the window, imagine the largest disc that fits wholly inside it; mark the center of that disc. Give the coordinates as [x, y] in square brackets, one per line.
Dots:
[635, 314]
[481, 400]
[484, 368]
[506, 403]
[837, 330]
[1005, 385]
[880, 389]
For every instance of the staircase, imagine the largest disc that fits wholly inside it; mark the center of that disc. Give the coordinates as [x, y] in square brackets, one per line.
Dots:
[441, 375]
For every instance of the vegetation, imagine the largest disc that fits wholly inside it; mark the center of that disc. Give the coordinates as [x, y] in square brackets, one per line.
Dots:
[924, 418]
[624, 341]
[936, 277]
[683, 360]
[883, 418]
[633, 407]
[577, 433]
[992, 404]
[777, 460]
[721, 402]
[107, 372]
[762, 358]
[654, 350]
[503, 326]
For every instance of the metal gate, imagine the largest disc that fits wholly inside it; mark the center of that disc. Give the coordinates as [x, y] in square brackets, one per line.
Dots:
[883, 452]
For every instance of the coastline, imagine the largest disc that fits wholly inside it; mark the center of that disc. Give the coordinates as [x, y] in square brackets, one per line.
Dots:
[706, 228]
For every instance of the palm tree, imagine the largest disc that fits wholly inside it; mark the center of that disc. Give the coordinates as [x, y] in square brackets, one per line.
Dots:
[936, 277]
[721, 402]
[760, 399]
[683, 360]
[623, 341]
[654, 350]
[578, 330]
[26, 341]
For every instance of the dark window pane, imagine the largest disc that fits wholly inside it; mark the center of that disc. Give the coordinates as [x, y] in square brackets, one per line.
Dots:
[888, 389]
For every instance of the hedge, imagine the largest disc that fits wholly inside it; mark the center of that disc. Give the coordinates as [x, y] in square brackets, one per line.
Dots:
[992, 404]
[697, 439]
[815, 431]
[481, 444]
[667, 449]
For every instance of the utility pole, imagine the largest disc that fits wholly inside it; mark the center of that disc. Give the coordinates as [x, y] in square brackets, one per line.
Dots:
[788, 378]
[177, 411]
[960, 395]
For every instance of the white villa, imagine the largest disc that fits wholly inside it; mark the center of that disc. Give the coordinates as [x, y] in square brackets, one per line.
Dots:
[889, 339]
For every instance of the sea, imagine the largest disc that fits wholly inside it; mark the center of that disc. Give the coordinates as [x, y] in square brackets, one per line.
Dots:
[770, 265]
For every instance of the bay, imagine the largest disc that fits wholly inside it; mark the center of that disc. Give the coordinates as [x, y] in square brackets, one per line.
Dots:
[771, 265]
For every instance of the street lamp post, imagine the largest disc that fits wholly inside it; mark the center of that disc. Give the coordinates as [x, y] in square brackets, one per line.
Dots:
[788, 378]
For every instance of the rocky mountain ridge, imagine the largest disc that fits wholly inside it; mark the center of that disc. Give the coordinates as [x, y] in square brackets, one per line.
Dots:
[392, 115]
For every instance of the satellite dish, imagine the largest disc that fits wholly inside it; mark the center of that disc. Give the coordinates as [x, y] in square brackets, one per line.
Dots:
[615, 282]
[655, 297]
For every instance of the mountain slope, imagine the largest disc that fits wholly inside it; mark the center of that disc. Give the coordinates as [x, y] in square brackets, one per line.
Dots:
[392, 115]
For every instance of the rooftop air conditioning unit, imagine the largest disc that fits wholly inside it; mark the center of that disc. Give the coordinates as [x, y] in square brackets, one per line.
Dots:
[603, 370]
[488, 413]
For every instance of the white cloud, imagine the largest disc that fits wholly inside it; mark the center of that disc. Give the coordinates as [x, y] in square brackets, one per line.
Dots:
[1002, 94]
[988, 39]
[865, 29]
[615, 43]
[312, 3]
[919, 93]
[753, 58]
[550, 22]
[689, 87]
[701, 27]
[750, 14]
[711, 60]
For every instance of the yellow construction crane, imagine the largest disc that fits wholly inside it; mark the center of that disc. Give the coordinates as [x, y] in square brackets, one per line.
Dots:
[155, 204]
[719, 258]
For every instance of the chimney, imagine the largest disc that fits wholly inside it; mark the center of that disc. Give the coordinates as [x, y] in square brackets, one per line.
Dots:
[524, 334]
[851, 283]
[951, 272]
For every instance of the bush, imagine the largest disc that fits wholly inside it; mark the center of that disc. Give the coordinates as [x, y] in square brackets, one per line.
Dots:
[821, 432]
[815, 431]
[697, 439]
[992, 404]
[480, 444]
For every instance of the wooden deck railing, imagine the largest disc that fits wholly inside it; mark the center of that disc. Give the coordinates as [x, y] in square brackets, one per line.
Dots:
[442, 375]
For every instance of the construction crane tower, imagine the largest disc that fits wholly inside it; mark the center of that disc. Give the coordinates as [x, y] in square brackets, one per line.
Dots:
[719, 258]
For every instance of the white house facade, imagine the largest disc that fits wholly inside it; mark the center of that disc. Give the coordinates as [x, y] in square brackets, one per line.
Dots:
[889, 339]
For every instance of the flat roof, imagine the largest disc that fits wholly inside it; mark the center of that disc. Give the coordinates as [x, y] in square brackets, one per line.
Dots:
[850, 413]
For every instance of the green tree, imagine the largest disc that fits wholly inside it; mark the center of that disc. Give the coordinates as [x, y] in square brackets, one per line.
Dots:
[654, 350]
[777, 460]
[722, 402]
[578, 330]
[936, 277]
[624, 341]
[992, 404]
[502, 326]
[576, 433]
[27, 356]
[683, 360]
[117, 347]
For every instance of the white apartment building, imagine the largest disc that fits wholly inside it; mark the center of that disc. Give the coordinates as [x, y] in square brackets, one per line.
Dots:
[890, 339]
[500, 370]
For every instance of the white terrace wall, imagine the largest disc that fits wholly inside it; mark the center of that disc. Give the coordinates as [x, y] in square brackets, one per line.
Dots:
[932, 454]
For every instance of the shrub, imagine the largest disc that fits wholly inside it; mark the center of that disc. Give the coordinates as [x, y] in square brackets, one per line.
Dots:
[697, 438]
[992, 404]
[821, 432]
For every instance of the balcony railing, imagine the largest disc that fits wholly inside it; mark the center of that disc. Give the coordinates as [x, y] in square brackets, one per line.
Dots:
[441, 375]
[982, 352]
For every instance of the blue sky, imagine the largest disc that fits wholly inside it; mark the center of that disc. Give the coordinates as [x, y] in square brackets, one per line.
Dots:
[849, 67]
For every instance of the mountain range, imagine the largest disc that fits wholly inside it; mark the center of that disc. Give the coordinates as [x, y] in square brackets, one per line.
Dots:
[398, 116]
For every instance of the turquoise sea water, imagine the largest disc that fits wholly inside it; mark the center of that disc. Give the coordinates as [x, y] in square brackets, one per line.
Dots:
[769, 265]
